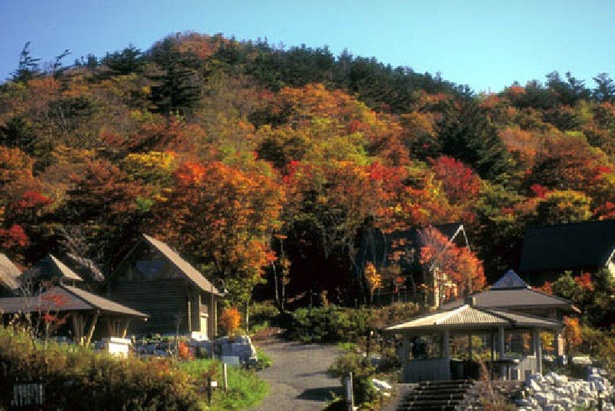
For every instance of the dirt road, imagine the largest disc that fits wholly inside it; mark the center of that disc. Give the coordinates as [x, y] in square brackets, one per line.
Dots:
[298, 379]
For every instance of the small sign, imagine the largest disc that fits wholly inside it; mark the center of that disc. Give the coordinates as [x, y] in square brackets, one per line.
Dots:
[213, 384]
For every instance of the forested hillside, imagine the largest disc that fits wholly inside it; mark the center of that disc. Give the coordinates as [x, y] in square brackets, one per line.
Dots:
[263, 164]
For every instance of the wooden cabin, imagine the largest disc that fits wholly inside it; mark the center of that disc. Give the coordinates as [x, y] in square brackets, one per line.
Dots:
[154, 279]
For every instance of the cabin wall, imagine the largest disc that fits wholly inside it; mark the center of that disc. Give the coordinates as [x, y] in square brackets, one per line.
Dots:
[164, 301]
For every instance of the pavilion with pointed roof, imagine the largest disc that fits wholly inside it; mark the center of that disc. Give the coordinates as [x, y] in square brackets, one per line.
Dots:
[430, 343]
[511, 293]
[510, 310]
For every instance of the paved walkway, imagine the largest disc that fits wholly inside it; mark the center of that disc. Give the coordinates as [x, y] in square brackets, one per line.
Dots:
[297, 379]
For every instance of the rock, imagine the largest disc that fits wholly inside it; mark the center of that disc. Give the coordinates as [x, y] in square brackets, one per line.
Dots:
[240, 347]
[581, 360]
[544, 398]
[381, 385]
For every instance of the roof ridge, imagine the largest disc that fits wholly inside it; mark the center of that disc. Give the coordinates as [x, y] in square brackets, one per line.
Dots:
[451, 313]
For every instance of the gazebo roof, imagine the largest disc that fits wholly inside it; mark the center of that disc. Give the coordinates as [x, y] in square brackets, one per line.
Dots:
[509, 281]
[511, 293]
[471, 317]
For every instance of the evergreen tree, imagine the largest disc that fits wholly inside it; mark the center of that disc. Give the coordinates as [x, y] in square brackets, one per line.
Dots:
[28, 67]
[605, 88]
[130, 60]
[465, 133]
[178, 87]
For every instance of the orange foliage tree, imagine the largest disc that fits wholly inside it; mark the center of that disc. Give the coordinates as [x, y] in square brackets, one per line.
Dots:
[230, 319]
[224, 218]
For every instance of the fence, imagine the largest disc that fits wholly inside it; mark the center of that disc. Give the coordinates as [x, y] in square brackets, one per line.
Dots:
[27, 395]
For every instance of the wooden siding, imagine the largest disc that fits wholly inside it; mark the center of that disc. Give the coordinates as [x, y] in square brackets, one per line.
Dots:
[164, 301]
[148, 281]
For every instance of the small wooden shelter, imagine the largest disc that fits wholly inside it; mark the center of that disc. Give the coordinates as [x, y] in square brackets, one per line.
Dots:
[83, 309]
[495, 330]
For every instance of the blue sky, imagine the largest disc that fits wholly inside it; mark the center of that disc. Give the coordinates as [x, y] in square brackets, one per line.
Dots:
[487, 44]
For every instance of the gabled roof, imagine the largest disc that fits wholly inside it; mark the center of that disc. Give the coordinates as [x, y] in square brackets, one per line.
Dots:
[49, 267]
[508, 293]
[9, 273]
[182, 265]
[87, 265]
[472, 317]
[62, 298]
[568, 246]
[376, 246]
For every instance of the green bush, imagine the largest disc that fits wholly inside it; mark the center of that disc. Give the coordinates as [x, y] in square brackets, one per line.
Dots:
[363, 389]
[334, 324]
[329, 324]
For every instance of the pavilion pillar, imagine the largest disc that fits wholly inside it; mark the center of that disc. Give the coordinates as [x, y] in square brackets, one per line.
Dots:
[559, 340]
[405, 352]
[92, 328]
[502, 351]
[537, 349]
[445, 348]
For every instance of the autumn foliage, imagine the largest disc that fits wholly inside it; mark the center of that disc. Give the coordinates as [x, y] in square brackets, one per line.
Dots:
[454, 271]
[262, 164]
[230, 320]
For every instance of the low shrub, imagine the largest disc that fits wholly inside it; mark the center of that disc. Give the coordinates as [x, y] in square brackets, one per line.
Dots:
[78, 378]
[362, 373]
[331, 324]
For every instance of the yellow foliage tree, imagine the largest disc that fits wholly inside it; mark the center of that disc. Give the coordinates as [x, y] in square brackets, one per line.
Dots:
[373, 278]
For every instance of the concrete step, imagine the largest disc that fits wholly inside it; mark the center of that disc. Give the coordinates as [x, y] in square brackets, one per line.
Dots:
[435, 395]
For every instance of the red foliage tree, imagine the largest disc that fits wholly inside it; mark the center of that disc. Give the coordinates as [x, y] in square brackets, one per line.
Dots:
[448, 263]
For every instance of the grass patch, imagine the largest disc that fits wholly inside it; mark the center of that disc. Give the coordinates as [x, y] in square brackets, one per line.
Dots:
[244, 390]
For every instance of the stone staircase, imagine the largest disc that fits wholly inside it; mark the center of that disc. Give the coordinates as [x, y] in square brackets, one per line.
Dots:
[437, 396]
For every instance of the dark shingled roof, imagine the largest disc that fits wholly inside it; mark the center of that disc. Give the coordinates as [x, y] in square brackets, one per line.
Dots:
[49, 267]
[508, 281]
[62, 298]
[568, 246]
[512, 295]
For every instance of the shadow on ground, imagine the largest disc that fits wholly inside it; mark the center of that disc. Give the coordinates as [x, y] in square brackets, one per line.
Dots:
[320, 394]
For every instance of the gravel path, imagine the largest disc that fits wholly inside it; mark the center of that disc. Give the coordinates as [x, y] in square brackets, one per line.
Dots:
[297, 379]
